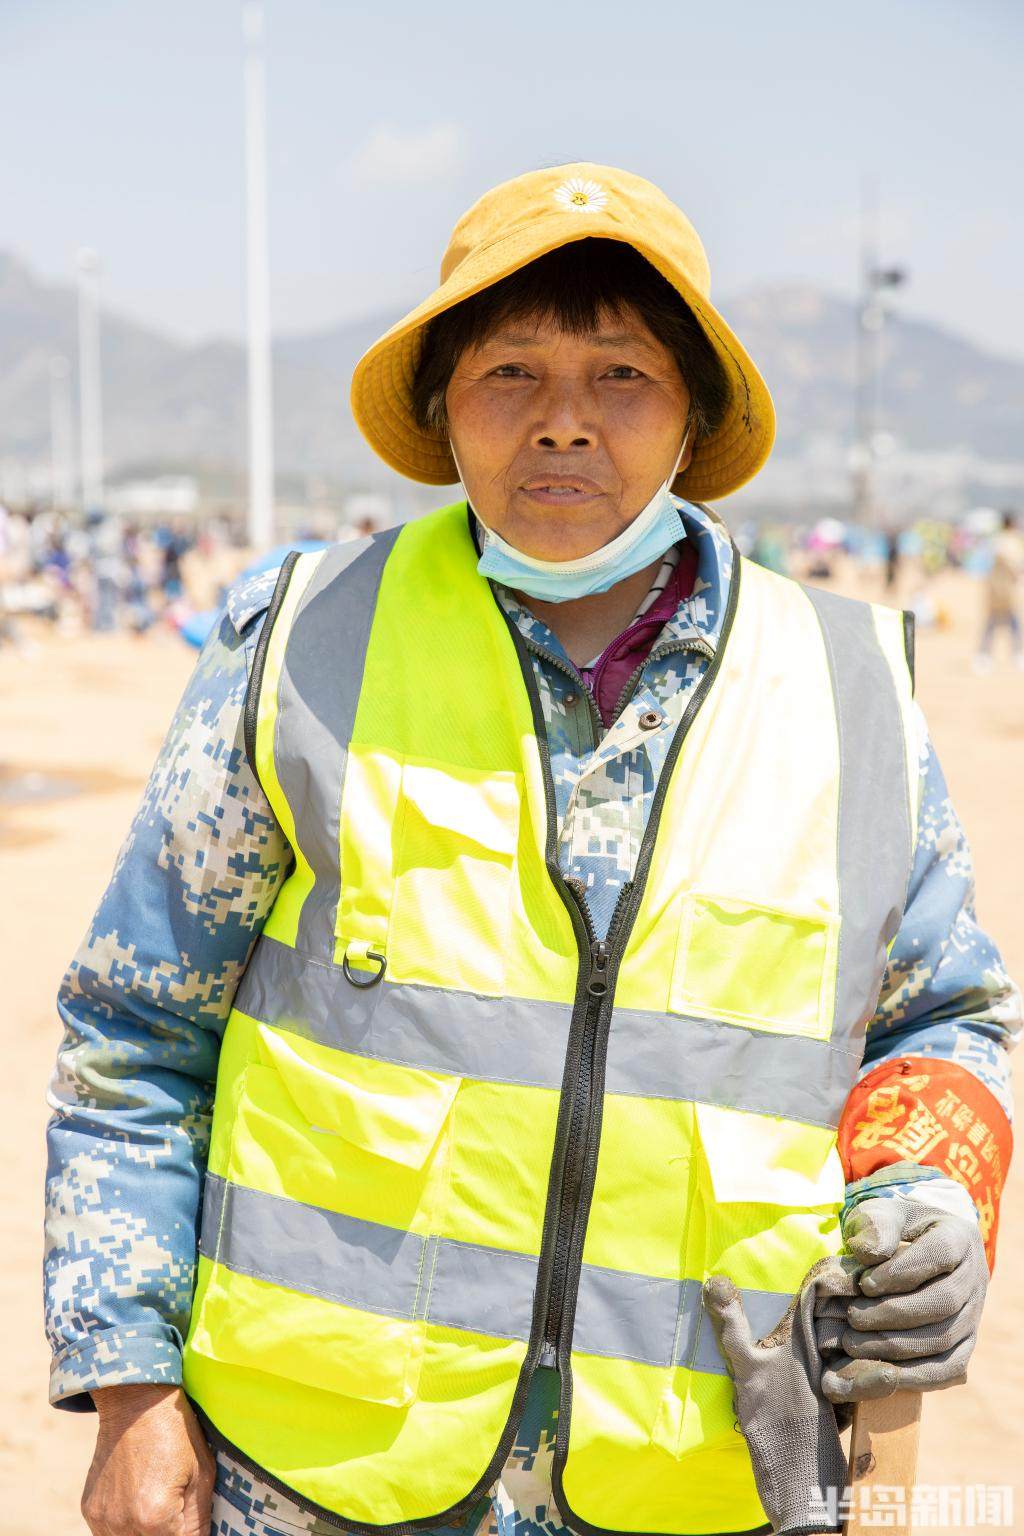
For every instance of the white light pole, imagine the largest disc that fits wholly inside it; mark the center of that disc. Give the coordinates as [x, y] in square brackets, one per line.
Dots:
[90, 397]
[62, 483]
[261, 441]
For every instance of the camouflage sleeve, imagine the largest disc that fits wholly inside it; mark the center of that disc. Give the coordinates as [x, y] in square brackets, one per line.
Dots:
[934, 1087]
[143, 1005]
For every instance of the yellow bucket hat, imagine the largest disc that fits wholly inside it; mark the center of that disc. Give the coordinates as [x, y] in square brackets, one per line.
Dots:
[512, 225]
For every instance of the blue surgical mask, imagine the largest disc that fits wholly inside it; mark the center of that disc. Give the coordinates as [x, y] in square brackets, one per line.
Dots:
[654, 530]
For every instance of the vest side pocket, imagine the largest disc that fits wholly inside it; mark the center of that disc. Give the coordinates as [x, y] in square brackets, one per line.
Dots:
[763, 1208]
[391, 1111]
[272, 1329]
[771, 1190]
[754, 965]
[336, 1180]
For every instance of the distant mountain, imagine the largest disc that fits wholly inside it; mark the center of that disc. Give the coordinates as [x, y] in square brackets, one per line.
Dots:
[172, 405]
[938, 391]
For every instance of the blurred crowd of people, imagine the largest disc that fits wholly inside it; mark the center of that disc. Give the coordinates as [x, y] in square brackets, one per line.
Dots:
[104, 573]
[1003, 593]
[984, 543]
[93, 573]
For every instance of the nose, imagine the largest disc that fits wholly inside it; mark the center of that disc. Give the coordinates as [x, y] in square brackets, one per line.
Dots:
[564, 419]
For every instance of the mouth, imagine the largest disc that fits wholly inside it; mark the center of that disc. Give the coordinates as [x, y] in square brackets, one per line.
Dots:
[561, 489]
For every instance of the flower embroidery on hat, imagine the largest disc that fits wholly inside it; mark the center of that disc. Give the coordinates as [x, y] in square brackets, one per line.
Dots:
[578, 196]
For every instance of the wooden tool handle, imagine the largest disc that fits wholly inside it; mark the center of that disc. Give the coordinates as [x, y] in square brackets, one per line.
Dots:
[883, 1455]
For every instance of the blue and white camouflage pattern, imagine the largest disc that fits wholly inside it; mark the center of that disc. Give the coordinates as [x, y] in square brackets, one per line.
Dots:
[944, 969]
[144, 1004]
[146, 997]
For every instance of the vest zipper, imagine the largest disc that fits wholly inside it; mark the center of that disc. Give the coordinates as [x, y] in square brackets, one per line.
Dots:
[593, 988]
[582, 1101]
[577, 1138]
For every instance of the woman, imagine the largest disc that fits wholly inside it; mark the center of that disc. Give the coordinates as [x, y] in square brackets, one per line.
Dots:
[515, 887]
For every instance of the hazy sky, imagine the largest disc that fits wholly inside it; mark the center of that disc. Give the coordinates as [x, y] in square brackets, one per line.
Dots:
[122, 129]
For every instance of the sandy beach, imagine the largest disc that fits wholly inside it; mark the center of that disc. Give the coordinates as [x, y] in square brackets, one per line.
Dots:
[81, 720]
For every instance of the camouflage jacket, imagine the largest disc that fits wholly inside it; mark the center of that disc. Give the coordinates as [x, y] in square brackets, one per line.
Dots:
[146, 997]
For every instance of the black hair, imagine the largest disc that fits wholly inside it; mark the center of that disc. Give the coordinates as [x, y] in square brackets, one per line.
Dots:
[574, 286]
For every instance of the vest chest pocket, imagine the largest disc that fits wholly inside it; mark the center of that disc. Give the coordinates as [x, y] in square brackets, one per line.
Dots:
[337, 1179]
[754, 965]
[456, 839]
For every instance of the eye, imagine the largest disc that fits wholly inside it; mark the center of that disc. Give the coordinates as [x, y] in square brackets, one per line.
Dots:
[509, 371]
[624, 371]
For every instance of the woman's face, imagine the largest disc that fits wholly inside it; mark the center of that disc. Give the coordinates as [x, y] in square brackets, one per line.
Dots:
[563, 440]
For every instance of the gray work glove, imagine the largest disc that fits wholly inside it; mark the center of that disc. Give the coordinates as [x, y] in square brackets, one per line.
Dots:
[923, 1278]
[789, 1426]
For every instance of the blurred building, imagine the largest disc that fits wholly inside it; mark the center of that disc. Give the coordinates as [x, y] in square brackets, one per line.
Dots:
[161, 497]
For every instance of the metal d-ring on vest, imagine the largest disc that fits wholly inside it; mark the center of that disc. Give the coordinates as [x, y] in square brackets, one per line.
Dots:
[353, 976]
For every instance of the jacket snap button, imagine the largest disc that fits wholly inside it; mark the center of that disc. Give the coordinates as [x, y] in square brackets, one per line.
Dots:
[649, 719]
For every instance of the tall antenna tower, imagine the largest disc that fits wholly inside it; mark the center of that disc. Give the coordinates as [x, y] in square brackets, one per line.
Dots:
[876, 284]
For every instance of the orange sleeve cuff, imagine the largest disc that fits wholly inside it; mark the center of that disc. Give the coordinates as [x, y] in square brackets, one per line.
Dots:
[921, 1109]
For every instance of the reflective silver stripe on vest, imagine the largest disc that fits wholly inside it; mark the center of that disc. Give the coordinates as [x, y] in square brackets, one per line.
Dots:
[437, 1029]
[307, 1248]
[658, 1322]
[380, 1269]
[875, 834]
[669, 1056]
[318, 693]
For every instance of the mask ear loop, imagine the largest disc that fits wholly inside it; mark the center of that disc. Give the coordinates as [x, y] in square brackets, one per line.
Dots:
[682, 450]
[462, 482]
[469, 504]
[458, 466]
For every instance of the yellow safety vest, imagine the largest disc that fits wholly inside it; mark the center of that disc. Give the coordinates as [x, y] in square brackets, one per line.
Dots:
[455, 1135]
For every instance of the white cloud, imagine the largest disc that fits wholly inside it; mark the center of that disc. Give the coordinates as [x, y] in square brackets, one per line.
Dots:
[395, 158]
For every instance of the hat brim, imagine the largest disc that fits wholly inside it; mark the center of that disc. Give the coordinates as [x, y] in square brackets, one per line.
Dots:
[381, 394]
